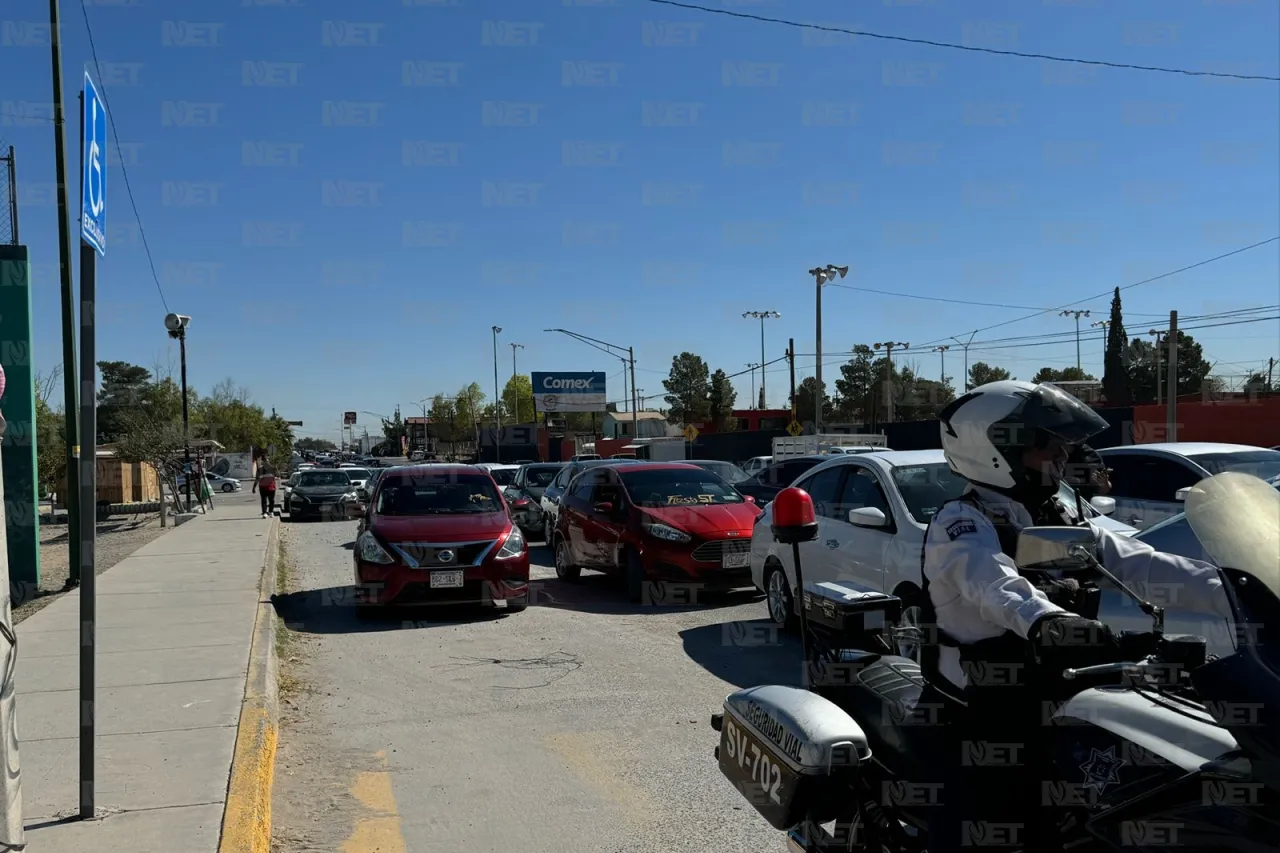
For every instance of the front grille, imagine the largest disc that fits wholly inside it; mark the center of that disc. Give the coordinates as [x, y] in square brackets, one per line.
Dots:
[422, 555]
[714, 551]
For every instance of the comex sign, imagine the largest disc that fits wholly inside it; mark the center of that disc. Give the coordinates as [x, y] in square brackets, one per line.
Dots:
[568, 392]
[93, 179]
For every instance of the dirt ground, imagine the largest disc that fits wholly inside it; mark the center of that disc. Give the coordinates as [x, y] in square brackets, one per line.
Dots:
[117, 539]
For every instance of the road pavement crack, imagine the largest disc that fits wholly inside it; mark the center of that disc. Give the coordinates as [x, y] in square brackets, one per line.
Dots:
[559, 664]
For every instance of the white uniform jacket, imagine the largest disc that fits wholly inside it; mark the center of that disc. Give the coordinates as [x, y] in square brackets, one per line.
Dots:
[978, 593]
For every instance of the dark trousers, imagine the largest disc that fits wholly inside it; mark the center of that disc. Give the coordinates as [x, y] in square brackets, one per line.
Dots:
[268, 500]
[990, 767]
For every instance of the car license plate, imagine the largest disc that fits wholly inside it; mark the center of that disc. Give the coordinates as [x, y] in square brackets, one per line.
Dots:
[446, 580]
[755, 771]
[736, 561]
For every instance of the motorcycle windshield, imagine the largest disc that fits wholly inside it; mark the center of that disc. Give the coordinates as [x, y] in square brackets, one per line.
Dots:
[1236, 517]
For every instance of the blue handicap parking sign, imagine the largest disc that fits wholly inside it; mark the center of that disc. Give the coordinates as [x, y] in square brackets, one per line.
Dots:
[93, 176]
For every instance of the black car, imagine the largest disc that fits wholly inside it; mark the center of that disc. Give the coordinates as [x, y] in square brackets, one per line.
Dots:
[320, 494]
[524, 494]
[727, 471]
[550, 502]
[764, 487]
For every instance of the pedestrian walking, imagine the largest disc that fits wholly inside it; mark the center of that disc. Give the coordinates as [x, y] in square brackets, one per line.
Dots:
[265, 486]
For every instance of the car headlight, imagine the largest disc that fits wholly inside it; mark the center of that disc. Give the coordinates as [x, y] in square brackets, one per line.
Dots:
[668, 533]
[298, 496]
[350, 496]
[514, 546]
[371, 551]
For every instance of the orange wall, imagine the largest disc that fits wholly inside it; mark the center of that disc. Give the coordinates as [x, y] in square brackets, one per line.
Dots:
[1242, 421]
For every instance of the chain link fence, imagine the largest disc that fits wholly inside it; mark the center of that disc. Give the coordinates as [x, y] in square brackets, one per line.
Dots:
[8, 196]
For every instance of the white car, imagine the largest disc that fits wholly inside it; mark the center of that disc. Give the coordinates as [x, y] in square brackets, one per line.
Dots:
[1146, 478]
[756, 464]
[503, 475]
[216, 482]
[873, 510]
[359, 476]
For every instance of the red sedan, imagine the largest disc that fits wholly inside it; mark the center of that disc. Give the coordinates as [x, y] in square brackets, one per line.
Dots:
[672, 523]
[440, 534]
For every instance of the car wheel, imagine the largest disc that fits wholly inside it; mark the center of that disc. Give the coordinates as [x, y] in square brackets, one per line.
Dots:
[565, 570]
[778, 597]
[912, 612]
[227, 487]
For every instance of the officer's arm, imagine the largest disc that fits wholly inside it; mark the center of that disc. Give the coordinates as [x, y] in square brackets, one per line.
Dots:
[964, 554]
[1164, 579]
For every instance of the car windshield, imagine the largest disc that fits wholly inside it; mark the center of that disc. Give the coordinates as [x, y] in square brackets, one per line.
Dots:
[726, 471]
[677, 487]
[357, 473]
[325, 478]
[925, 488]
[438, 494]
[1263, 464]
[541, 476]
[503, 476]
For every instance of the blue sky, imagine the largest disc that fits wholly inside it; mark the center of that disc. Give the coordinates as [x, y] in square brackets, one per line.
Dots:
[644, 174]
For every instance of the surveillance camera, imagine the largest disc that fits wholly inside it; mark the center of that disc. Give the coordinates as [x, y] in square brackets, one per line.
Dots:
[176, 322]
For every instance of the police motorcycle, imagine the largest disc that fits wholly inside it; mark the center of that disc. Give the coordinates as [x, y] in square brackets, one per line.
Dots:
[1167, 749]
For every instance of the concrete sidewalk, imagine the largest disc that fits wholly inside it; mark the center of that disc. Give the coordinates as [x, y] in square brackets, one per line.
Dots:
[175, 626]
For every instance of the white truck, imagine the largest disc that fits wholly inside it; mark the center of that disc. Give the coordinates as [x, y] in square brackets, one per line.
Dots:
[786, 447]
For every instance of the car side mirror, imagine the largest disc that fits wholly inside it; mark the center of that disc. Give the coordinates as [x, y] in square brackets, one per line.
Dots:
[868, 516]
[749, 499]
[1181, 494]
[1104, 505]
[604, 508]
[1054, 547]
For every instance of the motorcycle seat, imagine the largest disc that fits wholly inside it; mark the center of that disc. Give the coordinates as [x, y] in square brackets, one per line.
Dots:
[883, 696]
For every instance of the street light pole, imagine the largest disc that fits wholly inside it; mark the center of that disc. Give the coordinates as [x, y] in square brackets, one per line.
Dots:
[629, 361]
[821, 276]
[942, 357]
[497, 400]
[515, 392]
[1077, 315]
[761, 316]
[888, 347]
[965, 346]
[751, 365]
[1156, 333]
[177, 326]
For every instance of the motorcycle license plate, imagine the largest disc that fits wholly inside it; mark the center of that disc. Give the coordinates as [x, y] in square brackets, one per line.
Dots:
[735, 561]
[759, 776]
[446, 580]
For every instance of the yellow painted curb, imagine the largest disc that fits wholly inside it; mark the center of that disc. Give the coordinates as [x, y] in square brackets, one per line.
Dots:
[246, 819]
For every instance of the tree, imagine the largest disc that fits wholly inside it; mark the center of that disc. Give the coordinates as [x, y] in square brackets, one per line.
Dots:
[914, 397]
[721, 396]
[686, 388]
[805, 401]
[51, 436]
[1193, 370]
[1117, 385]
[1065, 374]
[980, 373]
[855, 388]
[316, 445]
[394, 433]
[123, 388]
[144, 440]
[517, 396]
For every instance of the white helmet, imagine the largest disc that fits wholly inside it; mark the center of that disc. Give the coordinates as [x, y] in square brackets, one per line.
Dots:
[985, 432]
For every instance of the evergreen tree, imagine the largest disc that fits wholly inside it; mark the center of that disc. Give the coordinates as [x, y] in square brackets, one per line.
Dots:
[1117, 386]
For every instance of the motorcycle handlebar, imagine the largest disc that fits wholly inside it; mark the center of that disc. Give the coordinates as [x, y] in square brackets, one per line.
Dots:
[1125, 667]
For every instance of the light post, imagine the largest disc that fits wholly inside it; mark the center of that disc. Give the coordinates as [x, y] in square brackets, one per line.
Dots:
[514, 374]
[751, 365]
[497, 400]
[177, 326]
[1157, 334]
[761, 316]
[965, 346]
[629, 361]
[821, 275]
[889, 347]
[1077, 315]
[942, 358]
[1105, 324]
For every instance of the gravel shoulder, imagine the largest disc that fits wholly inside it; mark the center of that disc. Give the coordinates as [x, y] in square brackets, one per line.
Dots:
[117, 538]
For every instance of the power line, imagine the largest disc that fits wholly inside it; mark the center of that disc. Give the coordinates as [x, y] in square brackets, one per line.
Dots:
[964, 47]
[124, 171]
[1104, 294]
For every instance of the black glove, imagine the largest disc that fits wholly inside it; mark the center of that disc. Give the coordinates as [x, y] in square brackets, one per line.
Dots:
[1066, 641]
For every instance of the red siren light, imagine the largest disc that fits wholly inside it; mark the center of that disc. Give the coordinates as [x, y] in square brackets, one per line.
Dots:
[794, 519]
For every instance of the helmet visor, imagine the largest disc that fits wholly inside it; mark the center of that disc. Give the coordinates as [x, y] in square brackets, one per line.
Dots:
[1048, 411]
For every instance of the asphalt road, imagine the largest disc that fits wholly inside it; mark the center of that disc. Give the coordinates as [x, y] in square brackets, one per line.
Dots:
[581, 724]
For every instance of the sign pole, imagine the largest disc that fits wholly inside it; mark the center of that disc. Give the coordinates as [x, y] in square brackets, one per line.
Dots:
[93, 205]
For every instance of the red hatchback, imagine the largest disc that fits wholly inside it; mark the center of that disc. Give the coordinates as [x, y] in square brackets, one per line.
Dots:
[440, 534]
[678, 524]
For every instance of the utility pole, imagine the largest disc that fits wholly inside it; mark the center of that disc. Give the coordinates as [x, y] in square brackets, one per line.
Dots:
[1271, 365]
[70, 373]
[888, 347]
[821, 276]
[516, 402]
[497, 400]
[791, 362]
[1156, 333]
[1171, 413]
[1077, 315]
[761, 316]
[635, 413]
[751, 365]
[965, 346]
[942, 358]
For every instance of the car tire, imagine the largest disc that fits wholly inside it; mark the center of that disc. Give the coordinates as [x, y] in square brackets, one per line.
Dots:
[565, 570]
[779, 599]
[227, 487]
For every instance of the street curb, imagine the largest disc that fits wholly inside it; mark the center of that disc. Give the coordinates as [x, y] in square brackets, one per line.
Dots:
[246, 819]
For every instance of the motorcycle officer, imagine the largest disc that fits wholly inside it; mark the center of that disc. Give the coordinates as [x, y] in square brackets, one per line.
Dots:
[996, 640]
